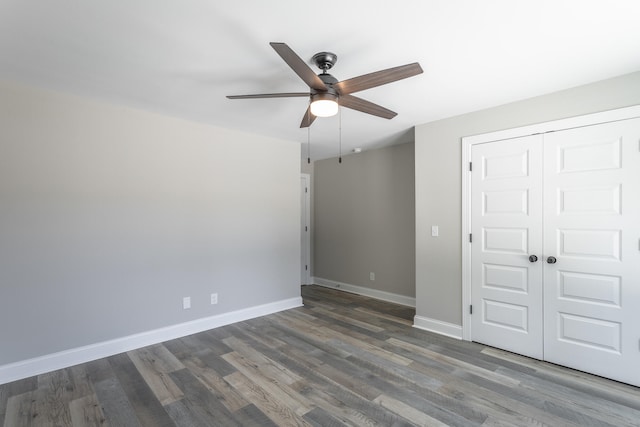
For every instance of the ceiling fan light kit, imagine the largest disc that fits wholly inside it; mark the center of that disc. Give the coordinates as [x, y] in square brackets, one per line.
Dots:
[324, 104]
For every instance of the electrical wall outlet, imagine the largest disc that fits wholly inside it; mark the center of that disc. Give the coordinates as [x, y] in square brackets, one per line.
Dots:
[186, 303]
[214, 299]
[372, 276]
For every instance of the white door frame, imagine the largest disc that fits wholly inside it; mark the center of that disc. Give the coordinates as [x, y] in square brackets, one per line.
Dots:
[467, 144]
[306, 199]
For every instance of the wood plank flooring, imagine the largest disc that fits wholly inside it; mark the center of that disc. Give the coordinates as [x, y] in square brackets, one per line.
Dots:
[342, 359]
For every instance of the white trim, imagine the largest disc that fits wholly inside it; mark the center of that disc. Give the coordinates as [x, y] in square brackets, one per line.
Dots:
[438, 326]
[468, 142]
[466, 245]
[64, 359]
[561, 124]
[368, 292]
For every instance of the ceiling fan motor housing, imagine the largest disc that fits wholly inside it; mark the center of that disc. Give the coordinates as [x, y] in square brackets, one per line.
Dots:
[330, 93]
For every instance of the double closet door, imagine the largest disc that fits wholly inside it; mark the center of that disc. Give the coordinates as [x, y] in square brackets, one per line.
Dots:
[555, 257]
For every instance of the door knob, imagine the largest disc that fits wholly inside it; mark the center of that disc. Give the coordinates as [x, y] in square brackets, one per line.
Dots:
[551, 260]
[533, 258]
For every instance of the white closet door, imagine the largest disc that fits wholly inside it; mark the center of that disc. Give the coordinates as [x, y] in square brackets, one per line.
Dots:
[507, 229]
[592, 228]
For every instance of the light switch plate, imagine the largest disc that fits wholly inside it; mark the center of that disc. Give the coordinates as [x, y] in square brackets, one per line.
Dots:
[435, 231]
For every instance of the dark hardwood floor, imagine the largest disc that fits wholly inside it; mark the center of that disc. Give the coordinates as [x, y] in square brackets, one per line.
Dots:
[342, 359]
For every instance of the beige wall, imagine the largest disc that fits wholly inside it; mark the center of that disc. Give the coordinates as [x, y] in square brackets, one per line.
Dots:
[364, 219]
[109, 216]
[438, 180]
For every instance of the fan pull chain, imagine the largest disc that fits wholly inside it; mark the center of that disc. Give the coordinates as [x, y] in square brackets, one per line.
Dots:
[339, 134]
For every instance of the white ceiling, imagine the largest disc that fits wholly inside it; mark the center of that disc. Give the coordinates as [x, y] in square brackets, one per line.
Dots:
[182, 57]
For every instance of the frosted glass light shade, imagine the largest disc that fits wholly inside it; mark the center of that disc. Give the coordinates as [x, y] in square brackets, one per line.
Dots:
[324, 108]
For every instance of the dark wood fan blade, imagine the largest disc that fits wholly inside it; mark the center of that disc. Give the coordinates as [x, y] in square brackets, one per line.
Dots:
[269, 95]
[307, 119]
[299, 66]
[378, 78]
[368, 107]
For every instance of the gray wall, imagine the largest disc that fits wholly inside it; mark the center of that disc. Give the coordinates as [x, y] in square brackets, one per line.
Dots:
[365, 219]
[109, 216]
[439, 186]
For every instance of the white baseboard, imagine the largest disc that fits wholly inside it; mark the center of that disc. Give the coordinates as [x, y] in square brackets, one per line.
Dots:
[64, 359]
[368, 292]
[438, 326]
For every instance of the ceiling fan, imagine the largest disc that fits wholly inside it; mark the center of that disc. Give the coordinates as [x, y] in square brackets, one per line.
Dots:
[326, 93]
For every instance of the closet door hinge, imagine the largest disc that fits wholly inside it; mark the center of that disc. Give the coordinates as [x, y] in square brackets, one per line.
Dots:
[470, 166]
[470, 238]
[471, 309]
[306, 190]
